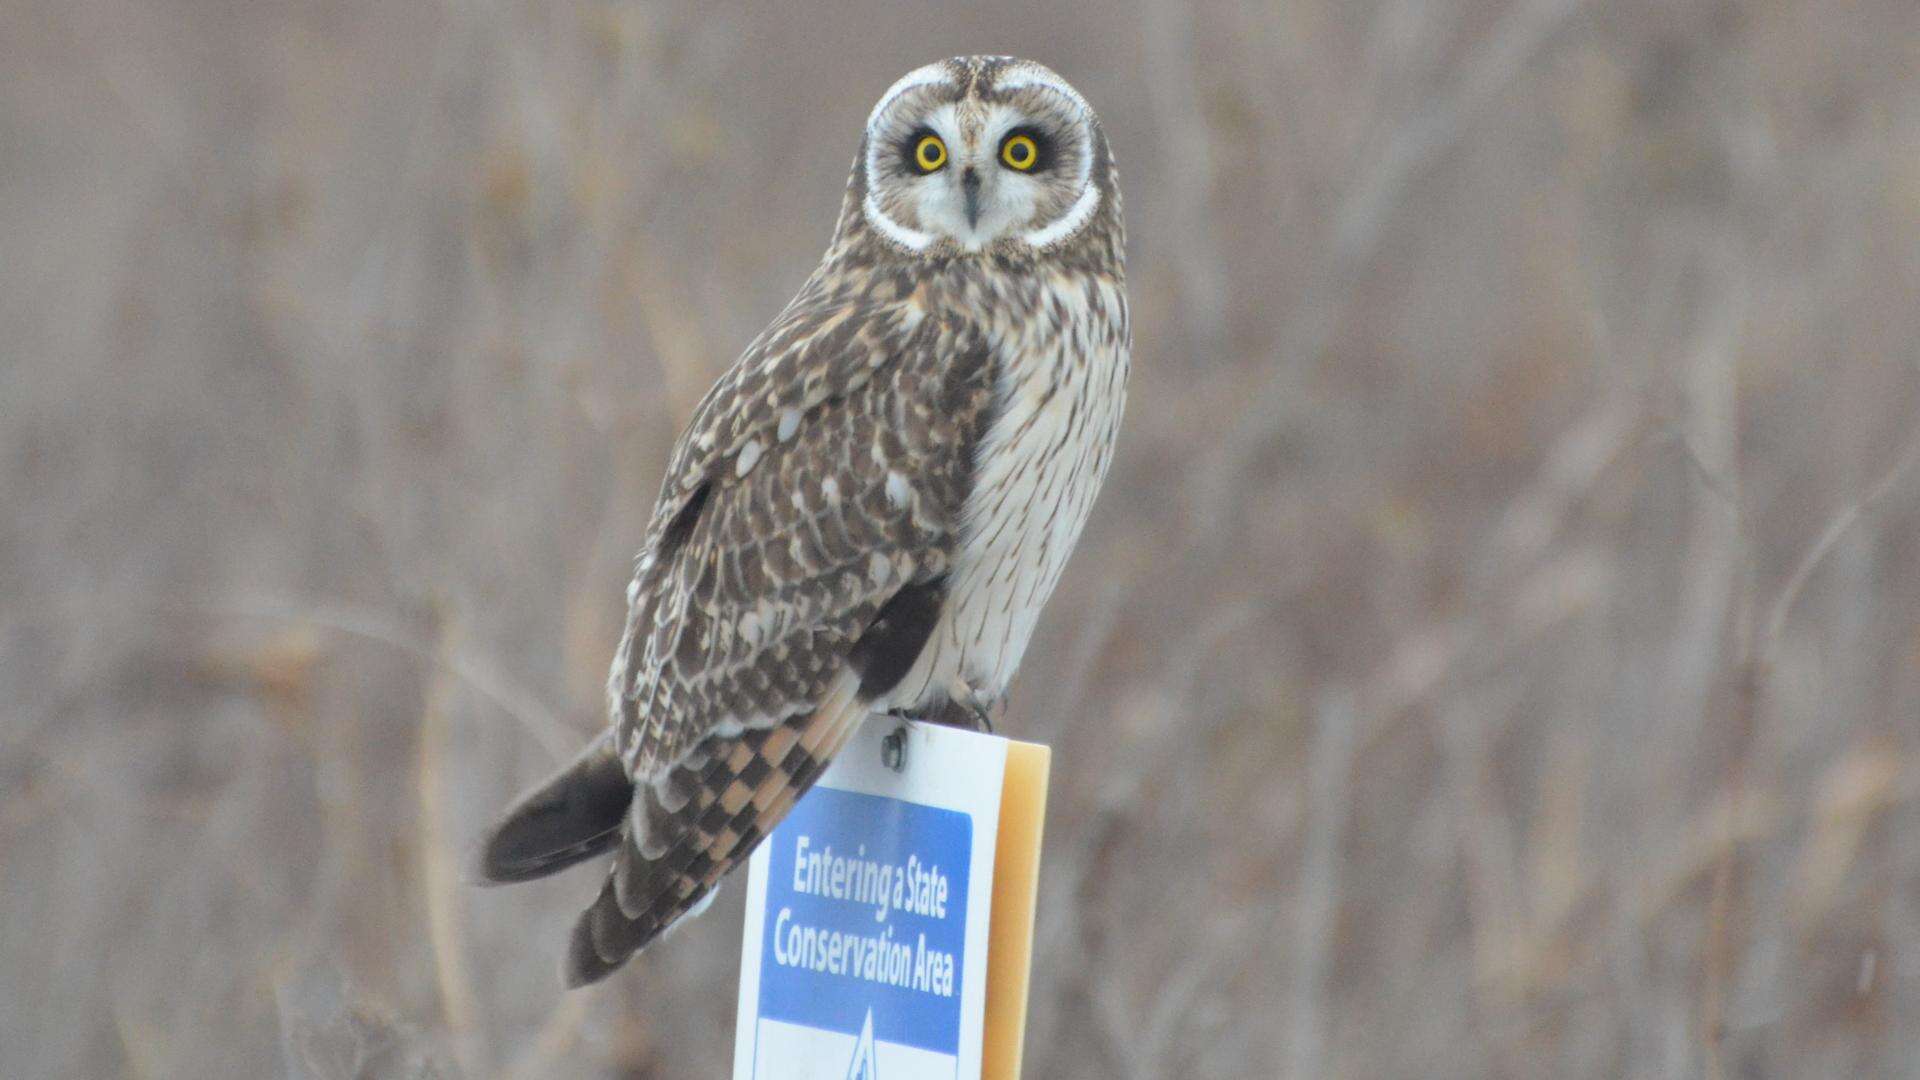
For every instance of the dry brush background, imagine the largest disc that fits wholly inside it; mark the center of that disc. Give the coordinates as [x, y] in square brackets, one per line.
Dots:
[1497, 652]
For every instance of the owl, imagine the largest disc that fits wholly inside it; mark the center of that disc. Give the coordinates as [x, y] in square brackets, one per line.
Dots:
[867, 512]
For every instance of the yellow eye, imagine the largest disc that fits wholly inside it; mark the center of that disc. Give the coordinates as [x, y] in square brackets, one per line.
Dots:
[1019, 152]
[930, 154]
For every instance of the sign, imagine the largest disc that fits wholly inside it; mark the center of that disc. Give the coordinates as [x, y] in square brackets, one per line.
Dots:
[869, 912]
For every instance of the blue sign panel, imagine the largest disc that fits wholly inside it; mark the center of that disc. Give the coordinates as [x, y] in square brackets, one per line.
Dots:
[866, 919]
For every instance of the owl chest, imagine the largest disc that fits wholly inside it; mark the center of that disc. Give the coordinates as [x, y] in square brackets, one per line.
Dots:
[1060, 390]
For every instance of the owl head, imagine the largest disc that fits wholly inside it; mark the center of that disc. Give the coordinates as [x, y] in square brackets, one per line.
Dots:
[980, 155]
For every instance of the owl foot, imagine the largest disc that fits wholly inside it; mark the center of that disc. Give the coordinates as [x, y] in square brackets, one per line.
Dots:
[964, 710]
[977, 709]
[967, 716]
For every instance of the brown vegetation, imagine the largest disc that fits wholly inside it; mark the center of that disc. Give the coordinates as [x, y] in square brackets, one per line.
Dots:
[1497, 652]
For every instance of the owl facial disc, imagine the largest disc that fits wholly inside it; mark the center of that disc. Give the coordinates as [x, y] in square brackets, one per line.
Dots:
[980, 153]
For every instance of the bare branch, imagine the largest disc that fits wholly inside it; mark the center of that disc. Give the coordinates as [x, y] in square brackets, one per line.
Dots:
[1830, 536]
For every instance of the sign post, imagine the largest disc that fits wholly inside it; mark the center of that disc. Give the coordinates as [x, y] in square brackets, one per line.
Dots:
[889, 922]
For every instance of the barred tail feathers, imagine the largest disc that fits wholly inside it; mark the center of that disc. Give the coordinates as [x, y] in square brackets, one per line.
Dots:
[688, 830]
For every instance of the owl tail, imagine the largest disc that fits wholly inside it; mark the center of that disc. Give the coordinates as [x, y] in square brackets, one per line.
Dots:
[698, 822]
[574, 815]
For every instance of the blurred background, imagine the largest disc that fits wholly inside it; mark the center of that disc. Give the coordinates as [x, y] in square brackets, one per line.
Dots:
[1496, 653]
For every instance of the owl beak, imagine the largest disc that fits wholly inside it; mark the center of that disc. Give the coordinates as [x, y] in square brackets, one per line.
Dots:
[970, 185]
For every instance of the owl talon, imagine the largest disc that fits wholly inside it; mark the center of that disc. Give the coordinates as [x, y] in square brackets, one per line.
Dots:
[974, 705]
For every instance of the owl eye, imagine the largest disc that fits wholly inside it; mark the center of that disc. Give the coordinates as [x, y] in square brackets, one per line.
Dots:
[1020, 152]
[930, 153]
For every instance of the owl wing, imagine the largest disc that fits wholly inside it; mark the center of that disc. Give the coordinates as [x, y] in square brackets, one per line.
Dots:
[845, 432]
[792, 573]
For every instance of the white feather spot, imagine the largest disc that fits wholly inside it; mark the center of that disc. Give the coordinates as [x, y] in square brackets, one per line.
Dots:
[633, 591]
[879, 568]
[701, 905]
[789, 423]
[749, 457]
[750, 628]
[831, 489]
[899, 492]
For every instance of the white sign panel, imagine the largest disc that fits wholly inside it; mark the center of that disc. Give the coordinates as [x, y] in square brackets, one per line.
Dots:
[865, 952]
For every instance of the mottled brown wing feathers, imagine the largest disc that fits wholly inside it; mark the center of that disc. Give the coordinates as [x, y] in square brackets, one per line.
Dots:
[827, 343]
[761, 579]
[821, 478]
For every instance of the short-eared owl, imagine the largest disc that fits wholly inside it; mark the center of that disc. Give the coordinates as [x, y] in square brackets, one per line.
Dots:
[868, 510]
